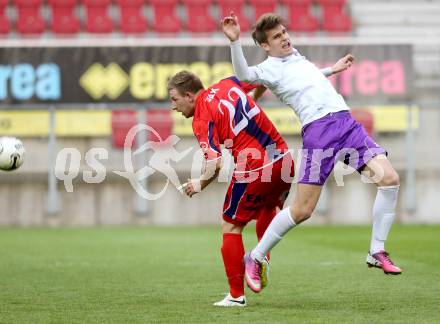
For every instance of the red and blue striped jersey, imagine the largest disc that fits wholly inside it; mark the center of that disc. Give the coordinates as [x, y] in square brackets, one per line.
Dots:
[225, 114]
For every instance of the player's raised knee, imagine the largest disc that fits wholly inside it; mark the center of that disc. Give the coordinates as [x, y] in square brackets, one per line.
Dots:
[301, 214]
[390, 179]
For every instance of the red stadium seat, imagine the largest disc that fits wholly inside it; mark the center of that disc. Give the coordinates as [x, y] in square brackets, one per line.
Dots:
[62, 2]
[300, 17]
[334, 17]
[5, 25]
[97, 3]
[29, 19]
[121, 122]
[158, 119]
[161, 121]
[98, 20]
[64, 20]
[365, 118]
[198, 17]
[132, 21]
[28, 3]
[226, 6]
[263, 6]
[131, 3]
[165, 19]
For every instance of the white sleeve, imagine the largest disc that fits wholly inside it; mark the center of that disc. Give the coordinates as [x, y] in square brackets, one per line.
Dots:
[241, 69]
[327, 71]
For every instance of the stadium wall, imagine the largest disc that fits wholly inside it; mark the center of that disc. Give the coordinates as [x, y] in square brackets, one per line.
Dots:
[23, 195]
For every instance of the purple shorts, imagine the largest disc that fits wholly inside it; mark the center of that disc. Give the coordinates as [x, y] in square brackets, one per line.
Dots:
[334, 137]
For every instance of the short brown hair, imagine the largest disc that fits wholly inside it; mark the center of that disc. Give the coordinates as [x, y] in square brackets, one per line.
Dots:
[185, 81]
[263, 24]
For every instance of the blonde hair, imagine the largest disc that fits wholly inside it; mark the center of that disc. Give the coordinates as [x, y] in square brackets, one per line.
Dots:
[185, 81]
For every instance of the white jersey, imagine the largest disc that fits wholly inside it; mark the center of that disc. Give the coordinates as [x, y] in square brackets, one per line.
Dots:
[296, 81]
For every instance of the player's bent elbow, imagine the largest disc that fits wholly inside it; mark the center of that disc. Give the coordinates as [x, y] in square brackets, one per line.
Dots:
[243, 76]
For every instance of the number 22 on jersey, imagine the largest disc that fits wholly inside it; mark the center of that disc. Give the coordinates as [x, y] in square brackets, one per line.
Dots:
[240, 111]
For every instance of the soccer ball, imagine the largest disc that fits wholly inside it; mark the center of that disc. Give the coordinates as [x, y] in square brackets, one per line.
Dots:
[11, 153]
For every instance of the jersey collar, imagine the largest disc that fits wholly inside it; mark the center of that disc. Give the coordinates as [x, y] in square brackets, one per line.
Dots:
[294, 56]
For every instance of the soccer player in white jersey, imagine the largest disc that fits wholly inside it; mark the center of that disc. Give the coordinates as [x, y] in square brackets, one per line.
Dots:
[329, 134]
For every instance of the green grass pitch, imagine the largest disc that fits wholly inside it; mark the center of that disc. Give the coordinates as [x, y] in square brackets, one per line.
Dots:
[120, 275]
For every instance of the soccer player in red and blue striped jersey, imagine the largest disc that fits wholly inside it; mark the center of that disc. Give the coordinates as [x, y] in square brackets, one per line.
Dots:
[223, 114]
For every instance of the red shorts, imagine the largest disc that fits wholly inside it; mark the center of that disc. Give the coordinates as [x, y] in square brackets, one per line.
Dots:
[246, 200]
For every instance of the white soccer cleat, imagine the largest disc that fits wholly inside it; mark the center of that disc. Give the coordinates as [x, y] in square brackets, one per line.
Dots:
[230, 301]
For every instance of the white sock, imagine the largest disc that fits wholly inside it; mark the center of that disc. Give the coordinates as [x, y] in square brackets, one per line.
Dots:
[384, 211]
[280, 225]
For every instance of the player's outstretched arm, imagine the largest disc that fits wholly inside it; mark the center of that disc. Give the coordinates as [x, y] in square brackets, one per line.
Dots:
[343, 64]
[231, 27]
